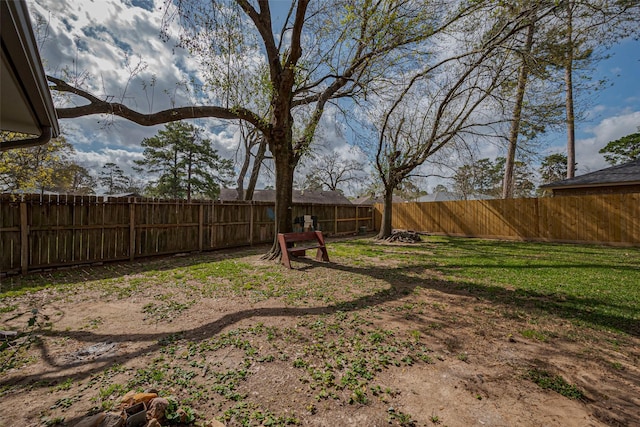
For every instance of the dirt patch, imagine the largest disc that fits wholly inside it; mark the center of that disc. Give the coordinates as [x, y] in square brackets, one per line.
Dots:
[320, 345]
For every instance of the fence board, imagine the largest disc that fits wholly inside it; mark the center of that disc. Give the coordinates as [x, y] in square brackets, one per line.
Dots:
[607, 219]
[42, 232]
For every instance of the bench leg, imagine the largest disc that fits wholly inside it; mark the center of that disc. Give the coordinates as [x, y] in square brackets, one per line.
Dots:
[284, 257]
[322, 254]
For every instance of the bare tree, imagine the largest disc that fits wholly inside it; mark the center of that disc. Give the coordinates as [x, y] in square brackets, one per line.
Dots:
[438, 105]
[324, 51]
[330, 171]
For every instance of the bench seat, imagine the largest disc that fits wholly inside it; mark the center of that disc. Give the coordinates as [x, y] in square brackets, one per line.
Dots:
[312, 240]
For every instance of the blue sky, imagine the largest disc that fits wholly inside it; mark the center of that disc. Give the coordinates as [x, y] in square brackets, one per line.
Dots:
[612, 112]
[104, 37]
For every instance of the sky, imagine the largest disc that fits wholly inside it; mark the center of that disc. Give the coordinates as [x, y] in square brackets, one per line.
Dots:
[104, 42]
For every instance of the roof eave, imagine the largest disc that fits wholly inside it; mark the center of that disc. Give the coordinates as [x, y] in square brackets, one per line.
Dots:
[599, 184]
[20, 52]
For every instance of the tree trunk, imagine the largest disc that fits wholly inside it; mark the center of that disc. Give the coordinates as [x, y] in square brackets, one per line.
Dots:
[385, 225]
[255, 171]
[189, 173]
[523, 75]
[242, 173]
[568, 81]
[284, 197]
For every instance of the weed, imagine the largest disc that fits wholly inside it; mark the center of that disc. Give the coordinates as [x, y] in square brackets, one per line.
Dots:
[167, 310]
[8, 308]
[65, 385]
[533, 334]
[359, 395]
[617, 366]
[64, 403]
[556, 383]
[405, 420]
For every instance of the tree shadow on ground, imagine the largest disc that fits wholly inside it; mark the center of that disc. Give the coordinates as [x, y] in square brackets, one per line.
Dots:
[402, 281]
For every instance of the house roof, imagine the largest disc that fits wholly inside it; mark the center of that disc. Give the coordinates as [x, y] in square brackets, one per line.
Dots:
[299, 196]
[372, 200]
[624, 174]
[26, 106]
[438, 196]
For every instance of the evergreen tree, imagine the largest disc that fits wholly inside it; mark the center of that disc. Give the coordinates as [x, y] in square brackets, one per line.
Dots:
[113, 179]
[185, 164]
[622, 150]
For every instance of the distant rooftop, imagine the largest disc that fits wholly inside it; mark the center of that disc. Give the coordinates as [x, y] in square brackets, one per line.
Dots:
[299, 196]
[624, 174]
[372, 200]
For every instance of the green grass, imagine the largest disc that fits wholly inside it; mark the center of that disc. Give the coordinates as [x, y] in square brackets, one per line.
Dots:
[592, 285]
[587, 284]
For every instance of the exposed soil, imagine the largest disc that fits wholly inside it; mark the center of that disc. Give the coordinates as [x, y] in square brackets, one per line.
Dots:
[372, 353]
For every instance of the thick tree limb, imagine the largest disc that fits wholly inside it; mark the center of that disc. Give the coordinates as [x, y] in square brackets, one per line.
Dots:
[98, 106]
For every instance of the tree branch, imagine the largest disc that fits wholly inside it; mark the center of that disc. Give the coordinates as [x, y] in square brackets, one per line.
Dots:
[98, 106]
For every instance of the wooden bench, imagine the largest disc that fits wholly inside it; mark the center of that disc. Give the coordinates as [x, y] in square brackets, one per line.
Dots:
[311, 240]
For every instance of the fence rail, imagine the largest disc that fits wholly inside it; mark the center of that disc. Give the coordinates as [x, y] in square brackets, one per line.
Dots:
[53, 231]
[612, 219]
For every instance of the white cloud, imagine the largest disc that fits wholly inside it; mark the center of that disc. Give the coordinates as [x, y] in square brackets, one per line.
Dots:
[609, 129]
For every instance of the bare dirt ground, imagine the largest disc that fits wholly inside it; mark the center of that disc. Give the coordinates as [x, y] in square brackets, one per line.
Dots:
[320, 345]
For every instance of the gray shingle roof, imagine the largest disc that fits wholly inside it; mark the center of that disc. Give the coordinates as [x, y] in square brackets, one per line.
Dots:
[624, 174]
[315, 197]
[370, 201]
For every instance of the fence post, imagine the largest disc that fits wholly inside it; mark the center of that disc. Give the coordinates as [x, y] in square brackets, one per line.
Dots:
[24, 238]
[335, 220]
[132, 230]
[357, 221]
[201, 227]
[251, 224]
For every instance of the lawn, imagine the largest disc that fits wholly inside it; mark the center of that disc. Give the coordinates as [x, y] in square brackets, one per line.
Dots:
[444, 332]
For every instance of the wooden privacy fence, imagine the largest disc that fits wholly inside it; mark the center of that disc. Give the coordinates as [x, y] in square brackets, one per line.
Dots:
[52, 231]
[612, 219]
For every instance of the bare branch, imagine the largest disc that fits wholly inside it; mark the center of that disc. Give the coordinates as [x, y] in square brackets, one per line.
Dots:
[98, 106]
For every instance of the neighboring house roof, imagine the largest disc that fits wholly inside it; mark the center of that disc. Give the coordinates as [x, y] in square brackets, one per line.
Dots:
[446, 196]
[624, 174]
[299, 196]
[372, 200]
[438, 196]
[26, 105]
[119, 195]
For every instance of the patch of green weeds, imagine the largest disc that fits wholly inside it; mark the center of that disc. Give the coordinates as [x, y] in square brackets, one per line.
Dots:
[403, 419]
[556, 383]
[65, 385]
[617, 366]
[246, 414]
[359, 395]
[64, 403]
[94, 323]
[8, 308]
[167, 310]
[179, 414]
[111, 390]
[533, 334]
